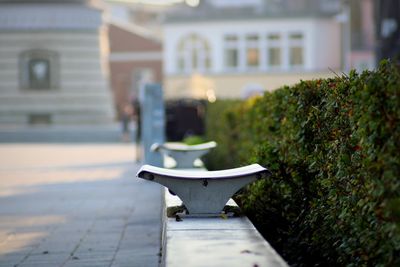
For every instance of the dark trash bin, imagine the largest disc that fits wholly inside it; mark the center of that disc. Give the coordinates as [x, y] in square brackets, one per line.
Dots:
[184, 117]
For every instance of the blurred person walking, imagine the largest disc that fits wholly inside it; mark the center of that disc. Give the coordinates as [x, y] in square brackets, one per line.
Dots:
[138, 121]
[126, 117]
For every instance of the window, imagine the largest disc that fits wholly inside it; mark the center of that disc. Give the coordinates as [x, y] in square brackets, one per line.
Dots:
[39, 73]
[276, 51]
[231, 57]
[41, 118]
[252, 51]
[193, 54]
[274, 54]
[296, 50]
[39, 69]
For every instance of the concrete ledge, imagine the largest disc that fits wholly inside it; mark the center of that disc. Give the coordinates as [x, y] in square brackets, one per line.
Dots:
[207, 242]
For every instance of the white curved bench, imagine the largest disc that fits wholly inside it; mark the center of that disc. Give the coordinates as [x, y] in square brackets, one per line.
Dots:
[204, 192]
[183, 154]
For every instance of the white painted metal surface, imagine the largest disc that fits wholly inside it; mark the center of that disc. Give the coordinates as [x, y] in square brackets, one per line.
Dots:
[184, 155]
[204, 192]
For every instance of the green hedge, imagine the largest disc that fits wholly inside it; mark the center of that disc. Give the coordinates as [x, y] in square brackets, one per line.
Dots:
[333, 146]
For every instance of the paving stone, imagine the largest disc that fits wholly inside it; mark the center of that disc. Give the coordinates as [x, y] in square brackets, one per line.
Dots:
[76, 205]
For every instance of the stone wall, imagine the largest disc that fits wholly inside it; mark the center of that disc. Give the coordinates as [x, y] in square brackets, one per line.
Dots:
[78, 91]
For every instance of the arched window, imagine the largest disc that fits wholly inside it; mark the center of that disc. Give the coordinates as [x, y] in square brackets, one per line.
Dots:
[193, 54]
[39, 69]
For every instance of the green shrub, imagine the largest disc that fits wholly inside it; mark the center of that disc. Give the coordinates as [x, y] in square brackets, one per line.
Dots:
[219, 125]
[193, 140]
[333, 148]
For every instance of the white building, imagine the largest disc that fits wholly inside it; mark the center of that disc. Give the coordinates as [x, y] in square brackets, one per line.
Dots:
[225, 48]
[52, 67]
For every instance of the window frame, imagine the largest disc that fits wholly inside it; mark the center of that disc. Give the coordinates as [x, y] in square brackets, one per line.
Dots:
[233, 45]
[252, 44]
[25, 64]
[296, 43]
[193, 54]
[275, 44]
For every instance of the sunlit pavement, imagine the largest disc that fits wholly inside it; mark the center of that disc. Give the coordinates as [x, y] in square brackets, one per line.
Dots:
[76, 205]
[110, 133]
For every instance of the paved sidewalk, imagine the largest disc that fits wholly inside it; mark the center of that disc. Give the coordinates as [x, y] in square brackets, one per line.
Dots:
[111, 133]
[76, 205]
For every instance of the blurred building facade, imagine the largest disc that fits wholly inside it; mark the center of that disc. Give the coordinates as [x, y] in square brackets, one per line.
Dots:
[362, 40]
[387, 16]
[234, 48]
[135, 58]
[139, 13]
[52, 64]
